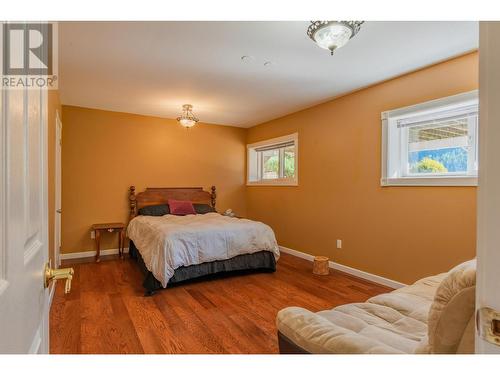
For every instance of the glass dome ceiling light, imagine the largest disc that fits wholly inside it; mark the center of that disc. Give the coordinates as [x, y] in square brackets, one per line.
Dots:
[332, 35]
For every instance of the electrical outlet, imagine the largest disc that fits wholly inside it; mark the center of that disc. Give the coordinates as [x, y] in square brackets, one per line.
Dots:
[92, 235]
[339, 244]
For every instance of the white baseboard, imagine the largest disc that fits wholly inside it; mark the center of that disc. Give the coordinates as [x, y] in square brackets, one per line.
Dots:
[92, 253]
[352, 271]
[298, 254]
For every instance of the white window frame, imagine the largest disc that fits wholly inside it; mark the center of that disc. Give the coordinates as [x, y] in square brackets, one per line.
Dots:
[254, 168]
[392, 148]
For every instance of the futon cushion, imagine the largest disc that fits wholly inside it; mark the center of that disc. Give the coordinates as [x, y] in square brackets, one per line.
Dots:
[413, 300]
[181, 207]
[353, 328]
[452, 310]
[389, 323]
[434, 315]
[157, 210]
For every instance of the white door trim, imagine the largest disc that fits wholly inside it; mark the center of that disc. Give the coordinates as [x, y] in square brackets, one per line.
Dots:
[488, 193]
[57, 190]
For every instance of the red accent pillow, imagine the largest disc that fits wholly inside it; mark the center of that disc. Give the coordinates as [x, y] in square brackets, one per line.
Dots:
[181, 207]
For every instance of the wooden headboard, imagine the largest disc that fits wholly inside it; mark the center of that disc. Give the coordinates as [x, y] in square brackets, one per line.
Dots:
[154, 196]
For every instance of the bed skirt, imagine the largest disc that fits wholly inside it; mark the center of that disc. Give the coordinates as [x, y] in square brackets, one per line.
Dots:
[262, 261]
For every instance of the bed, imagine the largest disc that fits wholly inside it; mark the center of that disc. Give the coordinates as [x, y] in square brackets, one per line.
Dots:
[173, 249]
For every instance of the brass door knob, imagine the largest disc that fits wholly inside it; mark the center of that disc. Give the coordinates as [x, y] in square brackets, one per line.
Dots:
[58, 274]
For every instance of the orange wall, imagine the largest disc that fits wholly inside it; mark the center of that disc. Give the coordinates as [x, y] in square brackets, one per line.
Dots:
[402, 233]
[105, 152]
[54, 105]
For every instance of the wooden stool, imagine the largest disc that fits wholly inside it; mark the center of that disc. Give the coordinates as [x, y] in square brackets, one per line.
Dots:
[320, 266]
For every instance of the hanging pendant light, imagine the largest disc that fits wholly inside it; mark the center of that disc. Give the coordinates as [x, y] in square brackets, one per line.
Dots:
[187, 119]
[332, 35]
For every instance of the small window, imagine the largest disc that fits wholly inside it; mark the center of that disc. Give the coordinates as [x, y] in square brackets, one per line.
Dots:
[273, 162]
[433, 143]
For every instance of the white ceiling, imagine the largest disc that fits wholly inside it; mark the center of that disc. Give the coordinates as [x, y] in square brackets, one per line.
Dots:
[152, 68]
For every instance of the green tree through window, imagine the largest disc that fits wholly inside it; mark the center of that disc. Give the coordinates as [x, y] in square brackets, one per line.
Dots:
[271, 164]
[428, 165]
[289, 163]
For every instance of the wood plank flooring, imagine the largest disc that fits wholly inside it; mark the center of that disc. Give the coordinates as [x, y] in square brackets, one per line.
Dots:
[106, 311]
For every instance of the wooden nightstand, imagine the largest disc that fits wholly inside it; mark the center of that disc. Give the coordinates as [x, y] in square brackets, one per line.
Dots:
[109, 227]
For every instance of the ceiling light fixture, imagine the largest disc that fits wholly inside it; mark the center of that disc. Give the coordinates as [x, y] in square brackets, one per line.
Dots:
[187, 119]
[332, 35]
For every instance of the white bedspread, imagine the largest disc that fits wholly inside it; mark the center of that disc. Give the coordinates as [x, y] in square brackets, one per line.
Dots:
[169, 242]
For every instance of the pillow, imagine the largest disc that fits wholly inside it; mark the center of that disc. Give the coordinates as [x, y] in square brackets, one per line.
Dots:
[452, 309]
[157, 210]
[201, 208]
[181, 207]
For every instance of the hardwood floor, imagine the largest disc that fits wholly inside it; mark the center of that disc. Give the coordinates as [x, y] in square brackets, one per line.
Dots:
[106, 311]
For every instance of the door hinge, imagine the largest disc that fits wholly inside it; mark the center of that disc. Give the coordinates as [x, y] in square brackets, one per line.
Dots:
[488, 325]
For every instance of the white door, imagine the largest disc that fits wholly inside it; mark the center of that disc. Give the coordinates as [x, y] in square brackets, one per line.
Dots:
[58, 211]
[488, 245]
[23, 226]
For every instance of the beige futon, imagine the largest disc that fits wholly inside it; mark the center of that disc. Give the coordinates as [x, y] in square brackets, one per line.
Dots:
[434, 315]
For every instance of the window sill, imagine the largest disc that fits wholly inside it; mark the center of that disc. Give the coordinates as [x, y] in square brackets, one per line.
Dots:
[273, 183]
[429, 181]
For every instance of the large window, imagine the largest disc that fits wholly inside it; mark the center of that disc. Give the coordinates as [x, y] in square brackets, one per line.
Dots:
[433, 143]
[273, 162]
